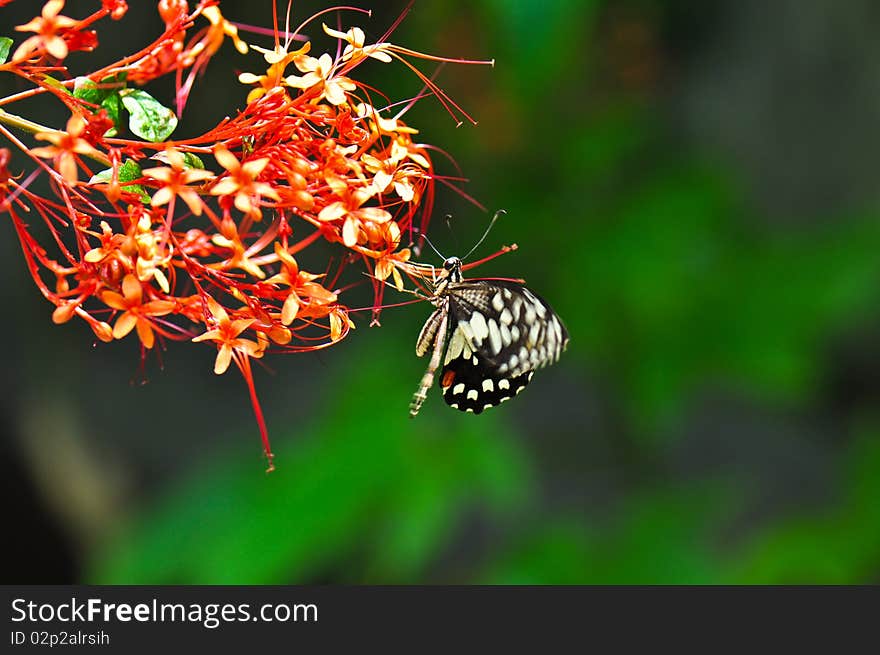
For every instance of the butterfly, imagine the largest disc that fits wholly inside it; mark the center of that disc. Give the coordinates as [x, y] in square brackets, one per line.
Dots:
[491, 335]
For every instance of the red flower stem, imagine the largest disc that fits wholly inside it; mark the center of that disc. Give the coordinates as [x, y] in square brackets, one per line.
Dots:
[244, 365]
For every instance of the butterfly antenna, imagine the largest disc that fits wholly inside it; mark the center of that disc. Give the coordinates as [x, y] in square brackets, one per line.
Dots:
[486, 233]
[452, 232]
[425, 237]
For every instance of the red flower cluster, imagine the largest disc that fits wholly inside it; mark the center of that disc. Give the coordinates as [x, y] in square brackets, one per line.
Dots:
[157, 241]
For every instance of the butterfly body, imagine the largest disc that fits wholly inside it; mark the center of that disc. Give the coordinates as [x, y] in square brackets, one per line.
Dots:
[491, 336]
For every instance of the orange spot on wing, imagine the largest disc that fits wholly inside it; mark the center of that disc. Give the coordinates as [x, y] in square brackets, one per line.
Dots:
[447, 379]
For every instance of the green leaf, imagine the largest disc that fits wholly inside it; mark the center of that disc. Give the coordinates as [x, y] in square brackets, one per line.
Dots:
[5, 45]
[148, 118]
[113, 105]
[191, 160]
[89, 91]
[96, 92]
[102, 95]
[130, 170]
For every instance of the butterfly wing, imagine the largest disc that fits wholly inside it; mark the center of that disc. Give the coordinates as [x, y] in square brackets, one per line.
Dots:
[470, 385]
[500, 333]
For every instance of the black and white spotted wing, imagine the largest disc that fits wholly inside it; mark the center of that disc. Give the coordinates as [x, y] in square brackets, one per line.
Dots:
[470, 385]
[491, 335]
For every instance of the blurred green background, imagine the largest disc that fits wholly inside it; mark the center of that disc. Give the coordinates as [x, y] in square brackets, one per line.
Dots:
[693, 186]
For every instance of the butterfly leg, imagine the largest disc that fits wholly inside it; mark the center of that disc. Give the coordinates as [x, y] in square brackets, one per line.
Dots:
[433, 365]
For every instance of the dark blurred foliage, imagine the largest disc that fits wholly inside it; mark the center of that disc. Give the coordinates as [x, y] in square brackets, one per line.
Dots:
[692, 185]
